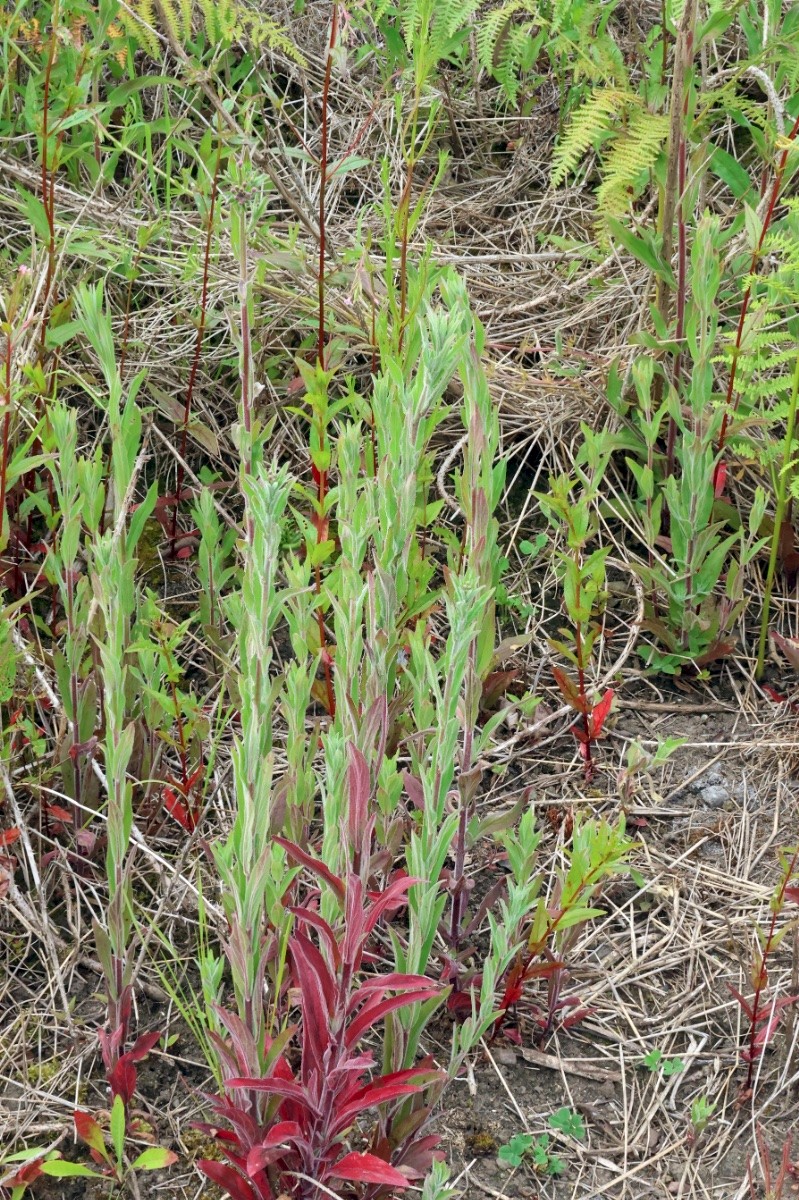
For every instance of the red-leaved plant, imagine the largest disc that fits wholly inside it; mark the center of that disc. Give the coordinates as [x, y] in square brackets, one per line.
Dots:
[291, 1128]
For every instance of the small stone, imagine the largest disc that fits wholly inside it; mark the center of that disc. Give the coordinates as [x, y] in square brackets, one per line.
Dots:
[505, 1056]
[715, 796]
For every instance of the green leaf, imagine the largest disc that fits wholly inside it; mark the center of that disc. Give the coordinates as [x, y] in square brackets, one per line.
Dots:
[60, 1169]
[118, 1128]
[729, 171]
[642, 249]
[36, 214]
[154, 1159]
[568, 1122]
[120, 94]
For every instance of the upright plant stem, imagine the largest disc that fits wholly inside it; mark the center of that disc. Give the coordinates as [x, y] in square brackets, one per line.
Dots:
[320, 351]
[730, 406]
[779, 517]
[766, 947]
[48, 186]
[6, 426]
[673, 202]
[198, 343]
[323, 165]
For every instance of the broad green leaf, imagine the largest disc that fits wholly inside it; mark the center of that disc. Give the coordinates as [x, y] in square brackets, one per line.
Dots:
[118, 1128]
[154, 1159]
[60, 1169]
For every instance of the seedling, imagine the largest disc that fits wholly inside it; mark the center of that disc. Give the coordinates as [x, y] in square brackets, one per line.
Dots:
[701, 1112]
[570, 507]
[567, 1121]
[524, 1147]
[656, 1061]
[762, 1014]
[108, 1153]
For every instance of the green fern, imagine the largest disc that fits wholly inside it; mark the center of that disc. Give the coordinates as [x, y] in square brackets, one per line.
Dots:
[588, 125]
[222, 22]
[140, 22]
[632, 155]
[767, 354]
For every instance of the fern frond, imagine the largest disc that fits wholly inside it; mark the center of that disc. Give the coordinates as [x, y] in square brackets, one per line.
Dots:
[140, 22]
[586, 126]
[631, 155]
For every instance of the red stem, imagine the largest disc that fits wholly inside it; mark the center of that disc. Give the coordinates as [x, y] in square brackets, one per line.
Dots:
[732, 407]
[762, 975]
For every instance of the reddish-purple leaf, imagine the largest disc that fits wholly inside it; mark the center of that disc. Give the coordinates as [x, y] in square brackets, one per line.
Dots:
[304, 859]
[376, 1010]
[143, 1045]
[367, 1168]
[359, 787]
[568, 690]
[228, 1179]
[318, 992]
[744, 1003]
[599, 714]
[89, 1131]
[390, 898]
[395, 981]
[278, 1087]
[320, 924]
[792, 893]
[122, 1079]
[414, 790]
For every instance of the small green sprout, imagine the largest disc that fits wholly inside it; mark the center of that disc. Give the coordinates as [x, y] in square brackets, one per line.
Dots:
[655, 1061]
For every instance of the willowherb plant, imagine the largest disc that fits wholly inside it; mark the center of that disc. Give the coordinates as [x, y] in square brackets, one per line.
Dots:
[113, 565]
[598, 851]
[762, 1014]
[570, 505]
[290, 1127]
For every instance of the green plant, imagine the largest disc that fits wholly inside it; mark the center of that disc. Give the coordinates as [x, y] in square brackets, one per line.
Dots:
[655, 1060]
[574, 35]
[537, 1151]
[566, 1121]
[109, 1155]
[570, 506]
[763, 1015]
[701, 1112]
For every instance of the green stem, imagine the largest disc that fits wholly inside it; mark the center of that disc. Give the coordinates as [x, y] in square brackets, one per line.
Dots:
[779, 517]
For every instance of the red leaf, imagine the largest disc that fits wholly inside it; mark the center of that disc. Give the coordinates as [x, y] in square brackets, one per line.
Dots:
[599, 714]
[228, 1179]
[312, 864]
[380, 1091]
[359, 787]
[60, 814]
[179, 811]
[719, 479]
[9, 836]
[367, 1168]
[143, 1045]
[744, 1003]
[568, 690]
[322, 927]
[122, 1079]
[792, 893]
[89, 1131]
[374, 1011]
